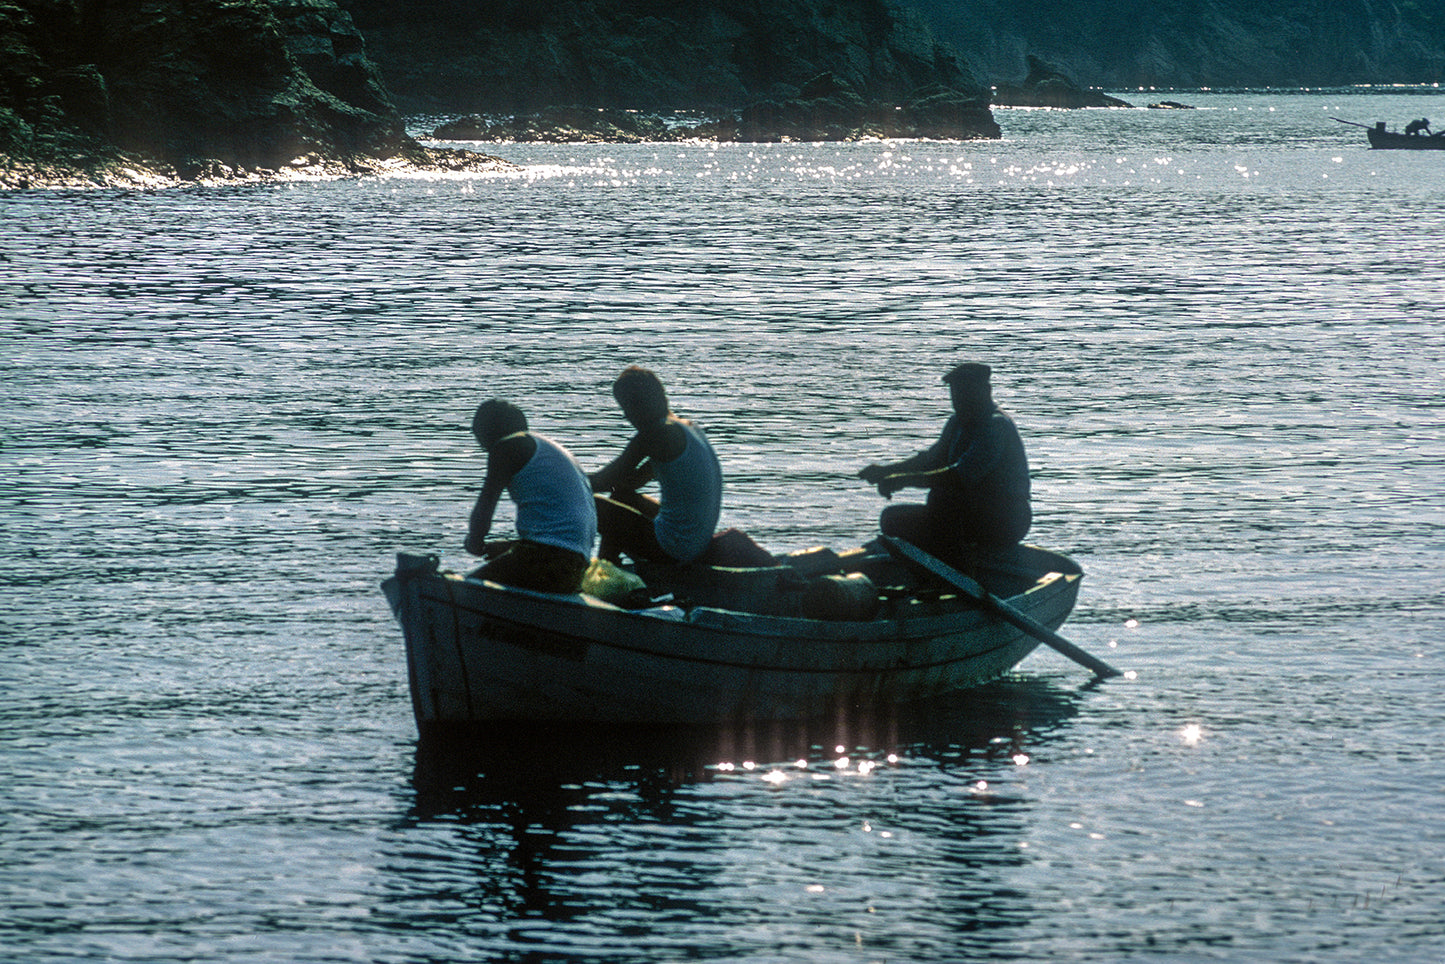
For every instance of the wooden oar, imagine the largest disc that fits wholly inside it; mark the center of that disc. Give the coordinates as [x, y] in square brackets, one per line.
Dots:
[1351, 123]
[970, 588]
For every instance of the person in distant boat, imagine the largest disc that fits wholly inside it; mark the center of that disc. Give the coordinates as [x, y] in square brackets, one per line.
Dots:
[976, 474]
[556, 517]
[678, 525]
[1421, 126]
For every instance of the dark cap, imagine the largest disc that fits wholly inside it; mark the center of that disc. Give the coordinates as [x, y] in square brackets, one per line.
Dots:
[970, 373]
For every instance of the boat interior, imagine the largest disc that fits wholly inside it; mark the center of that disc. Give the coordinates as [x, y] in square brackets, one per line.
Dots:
[865, 583]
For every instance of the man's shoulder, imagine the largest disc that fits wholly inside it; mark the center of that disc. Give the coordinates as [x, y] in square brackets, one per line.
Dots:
[687, 426]
[510, 455]
[694, 431]
[522, 442]
[1001, 421]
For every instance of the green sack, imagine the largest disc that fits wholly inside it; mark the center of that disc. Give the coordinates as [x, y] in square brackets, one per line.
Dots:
[610, 583]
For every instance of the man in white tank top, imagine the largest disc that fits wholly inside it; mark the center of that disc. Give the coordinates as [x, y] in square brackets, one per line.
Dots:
[678, 526]
[556, 517]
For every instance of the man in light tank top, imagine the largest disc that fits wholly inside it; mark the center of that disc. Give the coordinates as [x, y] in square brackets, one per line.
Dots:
[678, 526]
[556, 517]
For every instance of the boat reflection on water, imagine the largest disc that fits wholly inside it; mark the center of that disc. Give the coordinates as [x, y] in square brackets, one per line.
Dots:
[997, 720]
[563, 833]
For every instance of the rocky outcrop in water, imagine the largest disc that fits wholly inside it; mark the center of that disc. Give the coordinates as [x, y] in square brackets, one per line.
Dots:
[128, 91]
[1048, 86]
[826, 109]
[564, 125]
[755, 64]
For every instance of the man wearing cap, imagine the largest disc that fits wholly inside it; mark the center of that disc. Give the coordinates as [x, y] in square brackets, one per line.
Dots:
[976, 474]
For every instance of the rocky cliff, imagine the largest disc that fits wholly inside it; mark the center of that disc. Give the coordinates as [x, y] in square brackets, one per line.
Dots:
[93, 89]
[1124, 44]
[508, 56]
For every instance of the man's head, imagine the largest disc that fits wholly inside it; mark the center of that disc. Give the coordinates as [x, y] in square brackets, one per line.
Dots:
[968, 387]
[495, 420]
[641, 396]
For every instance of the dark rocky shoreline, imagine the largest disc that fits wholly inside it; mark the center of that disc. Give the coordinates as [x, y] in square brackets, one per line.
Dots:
[128, 93]
[152, 93]
[149, 93]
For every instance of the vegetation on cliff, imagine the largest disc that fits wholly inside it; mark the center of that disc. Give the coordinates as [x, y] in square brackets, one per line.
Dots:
[782, 69]
[1123, 44]
[511, 56]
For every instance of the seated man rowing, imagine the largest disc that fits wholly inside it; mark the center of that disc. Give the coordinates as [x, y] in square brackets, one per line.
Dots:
[976, 474]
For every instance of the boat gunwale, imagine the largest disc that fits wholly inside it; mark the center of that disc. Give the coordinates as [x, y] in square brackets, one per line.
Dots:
[772, 624]
[920, 633]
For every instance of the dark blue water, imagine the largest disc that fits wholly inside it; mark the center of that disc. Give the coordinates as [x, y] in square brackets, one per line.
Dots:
[225, 409]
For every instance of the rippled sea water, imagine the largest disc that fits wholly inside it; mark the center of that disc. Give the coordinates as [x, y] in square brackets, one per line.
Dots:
[225, 409]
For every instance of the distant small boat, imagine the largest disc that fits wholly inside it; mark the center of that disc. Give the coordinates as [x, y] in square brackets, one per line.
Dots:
[1383, 140]
[732, 646]
[1386, 140]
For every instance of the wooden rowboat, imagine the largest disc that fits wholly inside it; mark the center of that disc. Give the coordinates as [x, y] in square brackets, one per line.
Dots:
[1383, 140]
[727, 646]
[1387, 140]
